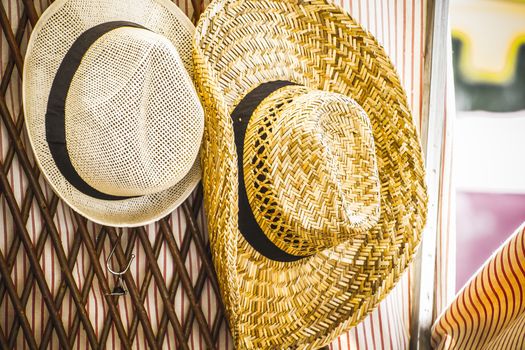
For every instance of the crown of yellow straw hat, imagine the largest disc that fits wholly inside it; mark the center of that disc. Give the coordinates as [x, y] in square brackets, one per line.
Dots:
[312, 169]
[111, 110]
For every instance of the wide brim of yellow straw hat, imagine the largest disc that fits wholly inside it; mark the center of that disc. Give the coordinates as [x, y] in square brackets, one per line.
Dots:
[306, 303]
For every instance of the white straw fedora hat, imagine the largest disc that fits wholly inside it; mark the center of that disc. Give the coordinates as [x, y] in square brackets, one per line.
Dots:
[313, 173]
[111, 111]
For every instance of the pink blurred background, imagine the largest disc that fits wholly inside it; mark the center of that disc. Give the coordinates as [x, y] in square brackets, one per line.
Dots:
[484, 221]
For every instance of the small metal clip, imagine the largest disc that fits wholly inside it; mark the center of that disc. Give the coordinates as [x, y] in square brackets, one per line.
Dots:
[119, 288]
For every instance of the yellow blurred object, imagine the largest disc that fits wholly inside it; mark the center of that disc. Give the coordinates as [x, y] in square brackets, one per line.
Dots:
[491, 33]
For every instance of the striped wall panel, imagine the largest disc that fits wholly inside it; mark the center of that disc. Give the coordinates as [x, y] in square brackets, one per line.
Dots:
[400, 26]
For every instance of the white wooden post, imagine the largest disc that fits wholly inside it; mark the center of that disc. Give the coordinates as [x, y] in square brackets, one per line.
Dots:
[434, 89]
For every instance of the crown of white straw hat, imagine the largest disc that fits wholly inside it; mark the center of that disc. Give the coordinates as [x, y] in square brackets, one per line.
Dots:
[313, 175]
[111, 111]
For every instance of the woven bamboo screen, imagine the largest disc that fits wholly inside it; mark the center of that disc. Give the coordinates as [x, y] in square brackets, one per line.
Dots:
[53, 276]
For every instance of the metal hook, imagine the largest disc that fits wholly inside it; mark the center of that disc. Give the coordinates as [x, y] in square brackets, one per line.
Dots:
[109, 259]
[119, 286]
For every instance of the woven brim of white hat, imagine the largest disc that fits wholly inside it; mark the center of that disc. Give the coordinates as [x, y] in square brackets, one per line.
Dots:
[103, 161]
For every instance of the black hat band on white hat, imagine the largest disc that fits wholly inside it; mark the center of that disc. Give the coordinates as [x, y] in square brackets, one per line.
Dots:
[55, 118]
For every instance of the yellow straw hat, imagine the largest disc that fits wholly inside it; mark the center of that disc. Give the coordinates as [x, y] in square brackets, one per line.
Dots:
[312, 169]
[111, 111]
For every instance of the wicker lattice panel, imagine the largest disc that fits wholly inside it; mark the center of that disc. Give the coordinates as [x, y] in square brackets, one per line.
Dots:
[53, 278]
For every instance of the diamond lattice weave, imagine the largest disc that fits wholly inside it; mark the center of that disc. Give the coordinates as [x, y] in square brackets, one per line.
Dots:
[53, 277]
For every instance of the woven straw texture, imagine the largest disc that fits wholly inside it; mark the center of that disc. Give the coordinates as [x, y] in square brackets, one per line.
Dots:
[298, 137]
[133, 120]
[304, 304]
